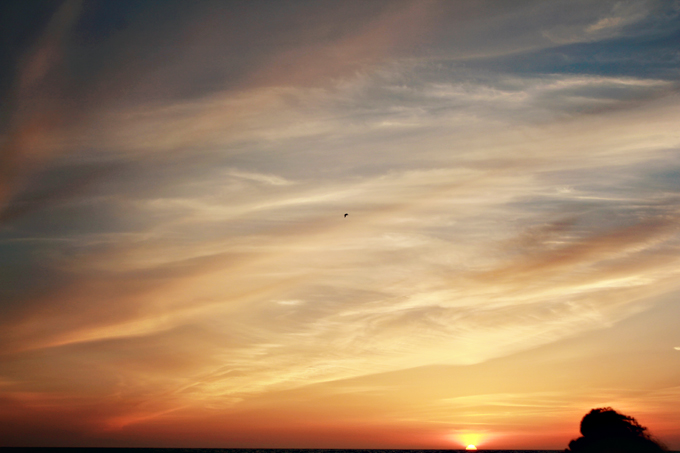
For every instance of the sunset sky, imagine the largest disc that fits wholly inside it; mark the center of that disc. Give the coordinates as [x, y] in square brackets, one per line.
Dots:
[176, 269]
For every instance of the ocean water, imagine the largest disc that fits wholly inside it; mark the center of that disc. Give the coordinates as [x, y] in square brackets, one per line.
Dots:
[249, 450]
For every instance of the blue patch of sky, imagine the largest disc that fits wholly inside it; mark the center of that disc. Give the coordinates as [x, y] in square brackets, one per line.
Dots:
[650, 49]
[629, 57]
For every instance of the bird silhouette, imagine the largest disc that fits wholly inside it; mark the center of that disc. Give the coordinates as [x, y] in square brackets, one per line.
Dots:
[346, 214]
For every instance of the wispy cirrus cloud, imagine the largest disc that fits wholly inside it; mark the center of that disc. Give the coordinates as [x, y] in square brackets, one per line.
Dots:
[186, 248]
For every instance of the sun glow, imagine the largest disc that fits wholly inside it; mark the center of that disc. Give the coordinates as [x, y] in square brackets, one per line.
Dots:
[470, 439]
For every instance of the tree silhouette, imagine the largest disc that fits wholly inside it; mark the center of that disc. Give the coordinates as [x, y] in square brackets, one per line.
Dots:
[606, 431]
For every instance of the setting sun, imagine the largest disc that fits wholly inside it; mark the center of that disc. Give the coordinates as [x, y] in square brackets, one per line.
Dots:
[470, 440]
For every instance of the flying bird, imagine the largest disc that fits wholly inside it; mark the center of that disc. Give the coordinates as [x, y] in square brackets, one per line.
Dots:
[346, 214]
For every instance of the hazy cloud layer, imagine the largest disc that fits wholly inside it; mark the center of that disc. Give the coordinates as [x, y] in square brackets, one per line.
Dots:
[174, 180]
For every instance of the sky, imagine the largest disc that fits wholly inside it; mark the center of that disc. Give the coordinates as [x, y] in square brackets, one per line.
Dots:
[176, 266]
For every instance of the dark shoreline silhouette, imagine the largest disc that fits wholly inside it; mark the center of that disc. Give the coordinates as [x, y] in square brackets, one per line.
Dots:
[603, 430]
